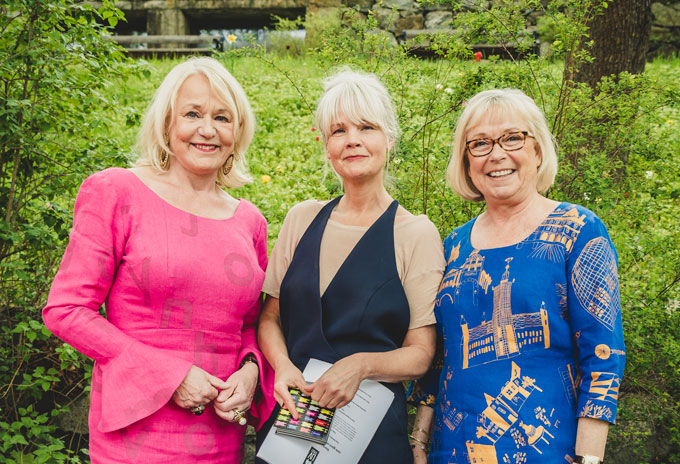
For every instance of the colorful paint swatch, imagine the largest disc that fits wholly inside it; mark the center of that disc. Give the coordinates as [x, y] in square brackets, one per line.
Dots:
[314, 423]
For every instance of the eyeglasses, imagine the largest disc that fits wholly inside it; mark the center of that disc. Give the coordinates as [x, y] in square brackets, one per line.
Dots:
[510, 141]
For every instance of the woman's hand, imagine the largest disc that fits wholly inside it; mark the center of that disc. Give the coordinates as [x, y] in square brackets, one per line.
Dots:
[198, 387]
[337, 386]
[239, 392]
[286, 376]
[419, 455]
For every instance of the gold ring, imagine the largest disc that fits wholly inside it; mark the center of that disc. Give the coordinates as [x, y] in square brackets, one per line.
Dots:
[239, 416]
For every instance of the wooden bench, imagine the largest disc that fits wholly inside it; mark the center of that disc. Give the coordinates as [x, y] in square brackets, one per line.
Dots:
[164, 45]
[420, 45]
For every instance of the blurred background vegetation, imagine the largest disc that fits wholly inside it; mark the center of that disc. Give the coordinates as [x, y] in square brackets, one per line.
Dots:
[71, 103]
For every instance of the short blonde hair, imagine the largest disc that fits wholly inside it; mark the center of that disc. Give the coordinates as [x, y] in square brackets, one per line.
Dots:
[499, 102]
[153, 135]
[362, 98]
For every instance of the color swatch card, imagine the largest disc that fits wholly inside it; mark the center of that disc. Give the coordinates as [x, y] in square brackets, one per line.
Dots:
[314, 423]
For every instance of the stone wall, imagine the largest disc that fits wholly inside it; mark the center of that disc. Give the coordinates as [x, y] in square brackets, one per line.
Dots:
[665, 38]
[180, 17]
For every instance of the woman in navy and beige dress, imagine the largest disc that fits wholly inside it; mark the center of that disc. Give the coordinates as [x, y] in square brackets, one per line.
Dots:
[352, 281]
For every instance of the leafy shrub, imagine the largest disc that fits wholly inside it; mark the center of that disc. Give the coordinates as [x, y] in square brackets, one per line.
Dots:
[56, 67]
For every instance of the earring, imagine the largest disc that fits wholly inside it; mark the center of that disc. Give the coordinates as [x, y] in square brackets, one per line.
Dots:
[164, 160]
[226, 169]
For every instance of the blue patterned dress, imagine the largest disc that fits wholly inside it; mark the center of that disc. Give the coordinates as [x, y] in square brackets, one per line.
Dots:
[532, 340]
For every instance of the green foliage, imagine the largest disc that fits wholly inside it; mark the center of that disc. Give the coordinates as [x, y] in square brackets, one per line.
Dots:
[56, 68]
[70, 106]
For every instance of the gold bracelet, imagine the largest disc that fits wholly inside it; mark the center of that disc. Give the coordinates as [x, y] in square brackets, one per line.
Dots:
[416, 429]
[418, 440]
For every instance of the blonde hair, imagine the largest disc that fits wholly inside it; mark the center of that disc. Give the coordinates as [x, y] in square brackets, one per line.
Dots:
[152, 138]
[501, 102]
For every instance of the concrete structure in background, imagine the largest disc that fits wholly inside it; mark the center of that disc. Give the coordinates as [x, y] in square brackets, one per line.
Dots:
[187, 17]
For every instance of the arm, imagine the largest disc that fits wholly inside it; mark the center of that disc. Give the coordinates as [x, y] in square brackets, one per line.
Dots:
[420, 435]
[242, 391]
[591, 437]
[337, 386]
[595, 317]
[131, 379]
[273, 346]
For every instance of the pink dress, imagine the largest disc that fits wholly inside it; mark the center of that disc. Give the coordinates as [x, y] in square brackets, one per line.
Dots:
[178, 290]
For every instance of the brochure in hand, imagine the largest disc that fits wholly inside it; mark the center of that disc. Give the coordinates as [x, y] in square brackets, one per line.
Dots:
[314, 423]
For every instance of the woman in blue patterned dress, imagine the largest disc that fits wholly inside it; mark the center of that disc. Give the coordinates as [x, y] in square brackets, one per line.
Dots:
[528, 309]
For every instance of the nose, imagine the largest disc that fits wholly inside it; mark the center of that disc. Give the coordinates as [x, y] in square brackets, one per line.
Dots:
[206, 129]
[497, 151]
[353, 137]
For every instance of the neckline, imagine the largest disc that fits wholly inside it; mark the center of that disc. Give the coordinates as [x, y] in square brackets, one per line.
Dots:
[472, 223]
[171, 206]
[353, 251]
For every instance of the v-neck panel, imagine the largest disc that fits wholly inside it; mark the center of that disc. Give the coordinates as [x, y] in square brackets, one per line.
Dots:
[351, 253]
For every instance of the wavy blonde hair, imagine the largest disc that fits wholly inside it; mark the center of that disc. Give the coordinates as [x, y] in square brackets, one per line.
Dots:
[487, 105]
[152, 138]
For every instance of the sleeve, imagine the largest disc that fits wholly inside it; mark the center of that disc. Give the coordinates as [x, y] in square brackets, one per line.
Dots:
[423, 271]
[263, 403]
[594, 305]
[424, 391]
[132, 373]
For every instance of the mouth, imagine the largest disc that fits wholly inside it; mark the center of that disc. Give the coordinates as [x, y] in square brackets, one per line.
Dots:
[205, 147]
[354, 157]
[502, 173]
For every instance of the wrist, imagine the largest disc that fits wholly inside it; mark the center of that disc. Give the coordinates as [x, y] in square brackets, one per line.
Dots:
[587, 459]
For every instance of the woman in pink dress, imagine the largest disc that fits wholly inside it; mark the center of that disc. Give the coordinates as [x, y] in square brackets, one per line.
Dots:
[178, 265]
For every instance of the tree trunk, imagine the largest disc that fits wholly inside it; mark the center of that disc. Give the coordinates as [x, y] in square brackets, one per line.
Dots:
[620, 38]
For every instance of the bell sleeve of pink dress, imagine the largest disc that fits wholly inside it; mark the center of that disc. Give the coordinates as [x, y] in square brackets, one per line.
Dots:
[132, 379]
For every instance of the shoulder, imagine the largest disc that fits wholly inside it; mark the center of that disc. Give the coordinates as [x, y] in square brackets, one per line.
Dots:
[416, 227]
[110, 177]
[250, 210]
[579, 218]
[306, 208]
[300, 216]
[108, 185]
[459, 234]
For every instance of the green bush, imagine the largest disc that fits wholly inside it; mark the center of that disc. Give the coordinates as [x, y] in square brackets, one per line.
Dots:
[619, 148]
[56, 69]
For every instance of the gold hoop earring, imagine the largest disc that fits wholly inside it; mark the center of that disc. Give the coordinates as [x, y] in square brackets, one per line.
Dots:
[226, 169]
[165, 159]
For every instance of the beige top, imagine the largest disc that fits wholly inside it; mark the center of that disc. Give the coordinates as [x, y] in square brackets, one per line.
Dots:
[417, 244]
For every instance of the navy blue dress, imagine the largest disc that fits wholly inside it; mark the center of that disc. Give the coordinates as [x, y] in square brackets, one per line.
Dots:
[364, 309]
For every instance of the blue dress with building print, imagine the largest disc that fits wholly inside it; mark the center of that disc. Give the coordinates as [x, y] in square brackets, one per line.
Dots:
[532, 339]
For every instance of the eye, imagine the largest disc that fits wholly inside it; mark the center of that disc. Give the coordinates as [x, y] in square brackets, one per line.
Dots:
[192, 114]
[223, 118]
[367, 127]
[512, 137]
[338, 130]
[479, 143]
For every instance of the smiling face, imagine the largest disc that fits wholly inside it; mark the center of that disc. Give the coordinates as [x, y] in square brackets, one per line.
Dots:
[357, 151]
[503, 176]
[201, 131]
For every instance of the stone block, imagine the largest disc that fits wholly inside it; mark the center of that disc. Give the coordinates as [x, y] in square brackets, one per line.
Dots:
[399, 4]
[363, 5]
[666, 15]
[411, 21]
[386, 18]
[438, 20]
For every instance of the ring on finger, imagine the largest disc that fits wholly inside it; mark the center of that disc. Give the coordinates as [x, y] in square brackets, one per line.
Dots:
[239, 416]
[198, 410]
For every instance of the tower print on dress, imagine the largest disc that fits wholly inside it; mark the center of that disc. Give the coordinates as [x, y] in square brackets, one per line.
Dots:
[556, 235]
[506, 334]
[501, 416]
